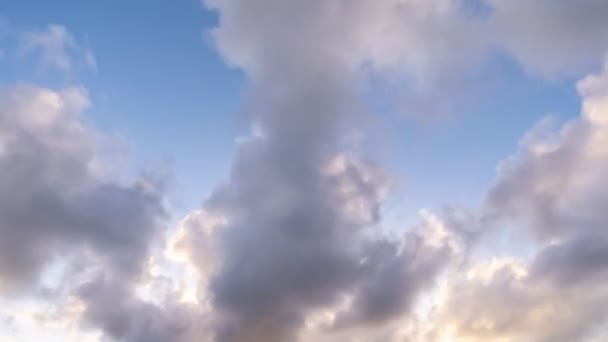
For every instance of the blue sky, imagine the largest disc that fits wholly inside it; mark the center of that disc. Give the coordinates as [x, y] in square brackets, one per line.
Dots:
[285, 212]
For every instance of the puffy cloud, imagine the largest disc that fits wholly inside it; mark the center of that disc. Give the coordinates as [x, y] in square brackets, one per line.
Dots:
[111, 306]
[509, 301]
[58, 205]
[426, 48]
[386, 276]
[284, 256]
[291, 246]
[54, 193]
[298, 237]
[554, 182]
[401, 271]
[298, 218]
[558, 296]
[553, 186]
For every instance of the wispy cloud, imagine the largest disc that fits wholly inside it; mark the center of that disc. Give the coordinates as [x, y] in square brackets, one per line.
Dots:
[57, 48]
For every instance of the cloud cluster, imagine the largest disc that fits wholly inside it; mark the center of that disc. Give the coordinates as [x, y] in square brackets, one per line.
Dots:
[553, 187]
[298, 232]
[58, 204]
[292, 247]
[291, 263]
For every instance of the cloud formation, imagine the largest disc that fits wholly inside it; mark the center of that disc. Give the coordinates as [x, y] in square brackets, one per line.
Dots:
[57, 204]
[553, 187]
[290, 263]
[299, 232]
[292, 246]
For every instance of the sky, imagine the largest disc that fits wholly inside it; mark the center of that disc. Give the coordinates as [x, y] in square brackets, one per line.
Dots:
[322, 170]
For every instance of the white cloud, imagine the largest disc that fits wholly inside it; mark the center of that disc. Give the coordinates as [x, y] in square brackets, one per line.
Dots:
[554, 186]
[510, 302]
[554, 182]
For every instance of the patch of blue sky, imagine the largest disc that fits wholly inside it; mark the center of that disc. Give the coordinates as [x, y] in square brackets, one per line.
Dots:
[160, 84]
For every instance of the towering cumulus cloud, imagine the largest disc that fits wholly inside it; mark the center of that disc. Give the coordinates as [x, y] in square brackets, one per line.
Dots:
[299, 251]
[290, 248]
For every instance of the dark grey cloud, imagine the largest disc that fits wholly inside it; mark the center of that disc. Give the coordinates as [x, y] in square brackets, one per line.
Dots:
[288, 248]
[301, 212]
[581, 260]
[112, 307]
[394, 276]
[57, 202]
